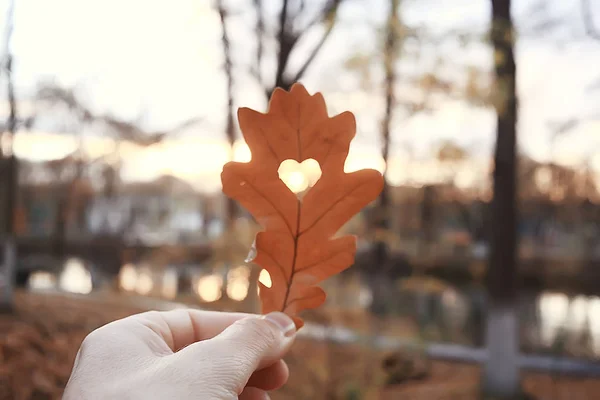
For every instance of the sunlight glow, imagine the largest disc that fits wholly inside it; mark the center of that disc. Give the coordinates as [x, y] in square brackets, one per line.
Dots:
[357, 161]
[200, 161]
[299, 176]
[543, 178]
[554, 309]
[296, 181]
[579, 310]
[209, 288]
[128, 277]
[241, 152]
[238, 283]
[75, 278]
[41, 280]
[144, 284]
[594, 320]
[265, 278]
[238, 289]
[170, 284]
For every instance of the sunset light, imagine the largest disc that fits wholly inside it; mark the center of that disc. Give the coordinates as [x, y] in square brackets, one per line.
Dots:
[128, 277]
[144, 283]
[383, 158]
[238, 283]
[209, 288]
[75, 277]
[265, 278]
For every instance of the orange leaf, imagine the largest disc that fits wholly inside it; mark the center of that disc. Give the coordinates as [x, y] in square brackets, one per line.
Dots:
[296, 245]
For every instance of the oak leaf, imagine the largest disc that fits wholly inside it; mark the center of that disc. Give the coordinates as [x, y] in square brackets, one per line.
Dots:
[296, 245]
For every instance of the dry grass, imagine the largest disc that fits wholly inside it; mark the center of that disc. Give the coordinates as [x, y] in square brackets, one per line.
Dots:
[39, 342]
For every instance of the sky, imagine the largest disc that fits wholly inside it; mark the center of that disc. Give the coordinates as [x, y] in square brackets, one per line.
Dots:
[160, 61]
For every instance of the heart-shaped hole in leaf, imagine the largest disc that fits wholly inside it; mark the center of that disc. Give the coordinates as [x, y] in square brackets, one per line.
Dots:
[299, 176]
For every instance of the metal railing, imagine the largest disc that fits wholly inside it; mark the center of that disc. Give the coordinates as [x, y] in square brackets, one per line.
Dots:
[437, 351]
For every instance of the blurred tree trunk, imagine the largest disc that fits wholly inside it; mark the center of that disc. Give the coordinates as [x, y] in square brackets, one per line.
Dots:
[286, 45]
[501, 377]
[381, 299]
[230, 204]
[205, 212]
[8, 183]
[382, 212]
[60, 226]
[230, 207]
[8, 248]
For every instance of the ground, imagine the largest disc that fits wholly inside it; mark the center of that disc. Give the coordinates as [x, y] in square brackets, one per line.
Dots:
[38, 344]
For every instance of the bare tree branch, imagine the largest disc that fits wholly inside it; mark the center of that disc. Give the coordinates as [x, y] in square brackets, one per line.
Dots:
[59, 95]
[301, 6]
[11, 123]
[123, 130]
[588, 20]
[390, 55]
[19, 123]
[315, 51]
[329, 9]
[286, 44]
[260, 37]
[126, 130]
[231, 207]
[230, 129]
[287, 38]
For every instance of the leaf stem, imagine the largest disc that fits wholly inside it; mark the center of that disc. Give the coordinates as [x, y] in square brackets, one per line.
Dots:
[295, 256]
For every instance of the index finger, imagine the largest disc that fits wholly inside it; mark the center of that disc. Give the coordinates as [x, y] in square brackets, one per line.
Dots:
[182, 327]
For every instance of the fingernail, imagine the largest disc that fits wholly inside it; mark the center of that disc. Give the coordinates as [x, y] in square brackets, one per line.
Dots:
[284, 323]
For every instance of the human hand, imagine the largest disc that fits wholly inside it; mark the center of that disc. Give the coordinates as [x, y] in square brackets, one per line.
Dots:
[183, 354]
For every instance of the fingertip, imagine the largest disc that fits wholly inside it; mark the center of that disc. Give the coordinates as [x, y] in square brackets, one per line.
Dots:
[250, 345]
[270, 378]
[252, 393]
[283, 322]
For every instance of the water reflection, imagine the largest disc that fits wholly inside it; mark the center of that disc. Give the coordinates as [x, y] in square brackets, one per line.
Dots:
[144, 283]
[238, 282]
[75, 277]
[170, 284]
[549, 321]
[41, 280]
[209, 287]
[553, 310]
[574, 321]
[594, 322]
[128, 278]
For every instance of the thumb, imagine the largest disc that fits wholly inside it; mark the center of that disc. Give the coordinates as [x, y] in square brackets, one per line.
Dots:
[246, 346]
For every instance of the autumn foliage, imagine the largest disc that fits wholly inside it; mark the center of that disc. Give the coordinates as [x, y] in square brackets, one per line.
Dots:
[296, 245]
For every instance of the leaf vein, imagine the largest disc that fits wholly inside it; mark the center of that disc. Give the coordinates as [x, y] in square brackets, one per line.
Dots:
[266, 253]
[277, 211]
[340, 199]
[321, 261]
[297, 299]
